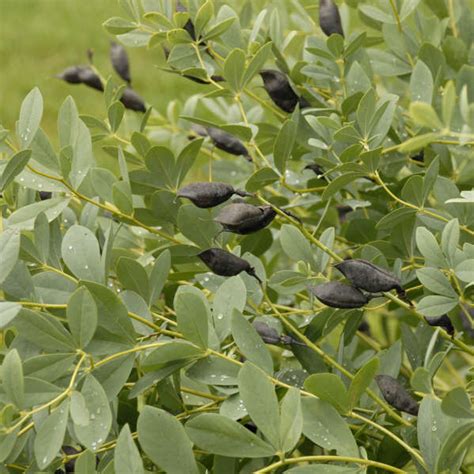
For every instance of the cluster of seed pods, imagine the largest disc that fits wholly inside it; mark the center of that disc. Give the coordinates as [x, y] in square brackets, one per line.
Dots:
[363, 275]
[88, 76]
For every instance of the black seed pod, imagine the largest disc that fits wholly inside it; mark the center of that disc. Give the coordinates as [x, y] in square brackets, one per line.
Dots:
[71, 75]
[339, 295]
[242, 218]
[364, 327]
[317, 169]
[131, 100]
[90, 78]
[396, 395]
[342, 212]
[280, 91]
[81, 75]
[270, 335]
[420, 157]
[203, 81]
[329, 18]
[443, 322]
[206, 195]
[224, 263]
[45, 195]
[189, 26]
[227, 142]
[70, 451]
[119, 60]
[369, 277]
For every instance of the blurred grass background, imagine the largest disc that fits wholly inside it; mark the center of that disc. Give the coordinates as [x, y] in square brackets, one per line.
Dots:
[40, 38]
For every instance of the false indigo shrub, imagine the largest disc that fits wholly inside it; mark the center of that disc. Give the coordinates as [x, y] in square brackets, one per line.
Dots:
[119, 340]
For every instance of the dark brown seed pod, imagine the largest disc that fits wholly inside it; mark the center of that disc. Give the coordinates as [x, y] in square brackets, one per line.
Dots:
[228, 143]
[443, 322]
[207, 194]
[329, 18]
[364, 327]
[369, 277]
[119, 60]
[70, 451]
[242, 218]
[396, 395]
[224, 263]
[339, 295]
[280, 91]
[131, 100]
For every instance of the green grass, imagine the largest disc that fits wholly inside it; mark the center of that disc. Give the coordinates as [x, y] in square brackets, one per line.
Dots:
[40, 38]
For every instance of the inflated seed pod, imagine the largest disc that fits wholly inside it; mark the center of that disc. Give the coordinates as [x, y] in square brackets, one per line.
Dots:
[242, 218]
[329, 18]
[443, 322]
[227, 142]
[369, 277]
[396, 395]
[119, 60]
[342, 212]
[207, 194]
[70, 451]
[280, 91]
[131, 100]
[224, 263]
[81, 75]
[339, 295]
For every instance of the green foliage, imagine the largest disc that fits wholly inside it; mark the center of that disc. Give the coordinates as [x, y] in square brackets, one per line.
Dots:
[123, 352]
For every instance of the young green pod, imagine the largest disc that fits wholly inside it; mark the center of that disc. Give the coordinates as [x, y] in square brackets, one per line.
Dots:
[443, 322]
[329, 18]
[396, 395]
[242, 218]
[338, 295]
[369, 277]
[205, 194]
[131, 100]
[119, 60]
[228, 143]
[224, 263]
[280, 91]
